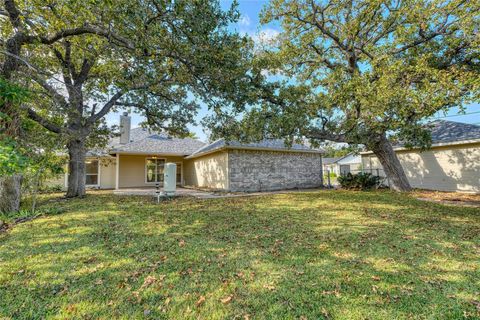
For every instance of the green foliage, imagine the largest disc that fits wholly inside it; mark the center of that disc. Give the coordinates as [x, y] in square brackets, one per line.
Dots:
[359, 181]
[314, 255]
[12, 159]
[334, 151]
[164, 57]
[12, 93]
[33, 153]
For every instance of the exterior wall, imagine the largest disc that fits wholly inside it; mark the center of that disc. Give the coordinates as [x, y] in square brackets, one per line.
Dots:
[251, 170]
[107, 173]
[209, 171]
[450, 168]
[132, 170]
[58, 180]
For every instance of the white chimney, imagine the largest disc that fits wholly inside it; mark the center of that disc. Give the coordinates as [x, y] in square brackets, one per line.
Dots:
[125, 124]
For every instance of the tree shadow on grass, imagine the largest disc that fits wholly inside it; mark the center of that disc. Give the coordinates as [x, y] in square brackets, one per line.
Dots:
[326, 254]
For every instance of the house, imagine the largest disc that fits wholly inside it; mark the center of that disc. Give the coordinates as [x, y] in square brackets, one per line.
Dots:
[330, 166]
[351, 162]
[452, 163]
[137, 158]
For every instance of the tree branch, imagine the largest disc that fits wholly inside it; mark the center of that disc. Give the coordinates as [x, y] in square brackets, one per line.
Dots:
[50, 89]
[84, 71]
[321, 134]
[42, 121]
[106, 107]
[13, 13]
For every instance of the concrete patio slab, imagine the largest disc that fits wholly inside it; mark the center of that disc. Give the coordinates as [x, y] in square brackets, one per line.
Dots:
[201, 194]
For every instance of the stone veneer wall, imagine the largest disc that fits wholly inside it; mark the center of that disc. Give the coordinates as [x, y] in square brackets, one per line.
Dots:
[251, 170]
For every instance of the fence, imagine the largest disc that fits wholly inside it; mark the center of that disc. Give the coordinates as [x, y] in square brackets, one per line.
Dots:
[330, 178]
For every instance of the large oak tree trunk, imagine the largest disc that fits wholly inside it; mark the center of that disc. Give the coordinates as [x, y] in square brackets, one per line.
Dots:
[76, 168]
[10, 193]
[391, 165]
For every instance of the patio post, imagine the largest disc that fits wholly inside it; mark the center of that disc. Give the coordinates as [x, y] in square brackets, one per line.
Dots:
[117, 169]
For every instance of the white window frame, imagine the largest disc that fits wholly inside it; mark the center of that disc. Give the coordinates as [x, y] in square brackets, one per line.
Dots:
[91, 174]
[145, 167]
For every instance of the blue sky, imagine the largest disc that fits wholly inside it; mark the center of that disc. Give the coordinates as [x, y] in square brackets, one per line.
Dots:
[249, 23]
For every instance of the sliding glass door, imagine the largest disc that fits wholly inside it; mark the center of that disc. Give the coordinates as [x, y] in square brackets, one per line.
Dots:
[154, 170]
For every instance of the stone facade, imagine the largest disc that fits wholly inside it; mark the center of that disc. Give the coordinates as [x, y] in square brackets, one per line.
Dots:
[251, 170]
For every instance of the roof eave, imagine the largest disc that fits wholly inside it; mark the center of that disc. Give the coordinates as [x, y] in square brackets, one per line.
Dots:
[254, 149]
[147, 153]
[440, 144]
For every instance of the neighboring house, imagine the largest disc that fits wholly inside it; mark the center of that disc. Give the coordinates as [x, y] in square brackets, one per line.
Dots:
[349, 163]
[343, 165]
[330, 166]
[137, 159]
[452, 163]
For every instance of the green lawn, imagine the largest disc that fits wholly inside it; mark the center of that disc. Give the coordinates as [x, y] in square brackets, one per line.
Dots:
[312, 255]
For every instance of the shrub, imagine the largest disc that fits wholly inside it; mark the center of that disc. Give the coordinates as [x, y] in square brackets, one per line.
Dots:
[362, 181]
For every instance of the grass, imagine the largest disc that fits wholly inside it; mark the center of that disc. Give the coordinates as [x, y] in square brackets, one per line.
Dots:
[312, 255]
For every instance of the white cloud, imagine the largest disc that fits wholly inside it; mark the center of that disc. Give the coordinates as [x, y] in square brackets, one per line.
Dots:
[244, 21]
[266, 36]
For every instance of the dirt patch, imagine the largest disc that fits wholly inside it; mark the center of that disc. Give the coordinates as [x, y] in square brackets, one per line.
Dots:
[451, 198]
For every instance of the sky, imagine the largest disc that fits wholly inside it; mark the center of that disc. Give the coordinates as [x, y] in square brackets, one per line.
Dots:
[249, 23]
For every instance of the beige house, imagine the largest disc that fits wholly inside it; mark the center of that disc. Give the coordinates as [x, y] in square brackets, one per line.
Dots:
[137, 158]
[452, 164]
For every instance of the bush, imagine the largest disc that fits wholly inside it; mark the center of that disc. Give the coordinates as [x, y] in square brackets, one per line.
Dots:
[362, 181]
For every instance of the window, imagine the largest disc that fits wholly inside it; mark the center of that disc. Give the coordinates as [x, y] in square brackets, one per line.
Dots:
[154, 170]
[179, 173]
[91, 172]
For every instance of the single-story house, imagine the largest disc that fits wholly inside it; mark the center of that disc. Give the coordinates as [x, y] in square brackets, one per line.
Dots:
[452, 163]
[329, 165]
[137, 158]
[350, 162]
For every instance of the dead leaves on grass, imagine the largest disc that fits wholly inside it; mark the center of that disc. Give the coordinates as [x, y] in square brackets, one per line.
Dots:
[200, 301]
[227, 299]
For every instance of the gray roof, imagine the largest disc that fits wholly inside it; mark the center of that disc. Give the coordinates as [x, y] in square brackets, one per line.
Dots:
[330, 160]
[449, 131]
[146, 141]
[267, 144]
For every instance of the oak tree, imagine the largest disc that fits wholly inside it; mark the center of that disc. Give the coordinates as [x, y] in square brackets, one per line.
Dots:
[155, 56]
[362, 72]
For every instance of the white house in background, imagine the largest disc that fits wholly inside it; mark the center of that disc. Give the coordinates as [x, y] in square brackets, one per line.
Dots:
[452, 163]
[342, 165]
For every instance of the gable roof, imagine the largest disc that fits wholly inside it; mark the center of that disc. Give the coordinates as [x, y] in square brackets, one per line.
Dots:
[148, 142]
[267, 144]
[330, 160]
[350, 158]
[443, 131]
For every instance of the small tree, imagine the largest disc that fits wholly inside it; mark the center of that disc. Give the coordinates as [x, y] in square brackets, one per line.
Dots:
[12, 160]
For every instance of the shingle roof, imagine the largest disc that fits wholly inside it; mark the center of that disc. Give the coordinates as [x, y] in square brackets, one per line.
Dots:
[449, 131]
[267, 144]
[329, 160]
[145, 141]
